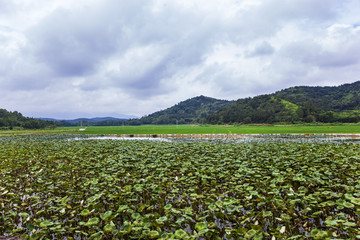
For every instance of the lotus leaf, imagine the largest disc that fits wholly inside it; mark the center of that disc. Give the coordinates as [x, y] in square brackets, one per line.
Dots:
[122, 208]
[201, 226]
[106, 216]
[180, 220]
[85, 212]
[349, 224]
[348, 205]
[180, 234]
[250, 234]
[212, 225]
[167, 207]
[161, 220]
[96, 236]
[318, 234]
[92, 221]
[23, 215]
[355, 201]
[109, 227]
[153, 234]
[46, 224]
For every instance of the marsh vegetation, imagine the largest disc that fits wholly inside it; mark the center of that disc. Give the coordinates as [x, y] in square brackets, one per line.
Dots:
[53, 188]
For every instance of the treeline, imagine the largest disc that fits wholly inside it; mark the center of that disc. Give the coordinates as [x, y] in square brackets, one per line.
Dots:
[66, 123]
[194, 110]
[298, 104]
[292, 105]
[270, 109]
[11, 120]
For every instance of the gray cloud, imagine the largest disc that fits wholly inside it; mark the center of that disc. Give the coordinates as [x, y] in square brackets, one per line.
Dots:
[156, 53]
[261, 50]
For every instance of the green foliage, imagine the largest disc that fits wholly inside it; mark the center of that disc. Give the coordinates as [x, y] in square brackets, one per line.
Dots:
[11, 120]
[53, 188]
[297, 104]
[193, 110]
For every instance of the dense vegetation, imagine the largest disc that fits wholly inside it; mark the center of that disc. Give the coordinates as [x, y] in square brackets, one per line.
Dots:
[10, 120]
[292, 105]
[102, 189]
[298, 104]
[193, 110]
[98, 121]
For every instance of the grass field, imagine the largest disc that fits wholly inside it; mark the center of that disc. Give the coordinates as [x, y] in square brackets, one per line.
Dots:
[216, 129]
[197, 129]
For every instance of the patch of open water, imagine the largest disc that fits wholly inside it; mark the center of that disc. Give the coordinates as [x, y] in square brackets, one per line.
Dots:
[233, 138]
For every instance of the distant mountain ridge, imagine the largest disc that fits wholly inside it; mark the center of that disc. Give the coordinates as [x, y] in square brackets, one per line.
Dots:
[193, 110]
[97, 121]
[92, 120]
[291, 105]
[295, 104]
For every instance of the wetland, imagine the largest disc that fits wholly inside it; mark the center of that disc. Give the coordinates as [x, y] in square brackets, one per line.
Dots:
[274, 187]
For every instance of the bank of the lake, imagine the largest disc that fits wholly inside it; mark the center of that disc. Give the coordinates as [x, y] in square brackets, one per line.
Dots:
[196, 129]
[219, 129]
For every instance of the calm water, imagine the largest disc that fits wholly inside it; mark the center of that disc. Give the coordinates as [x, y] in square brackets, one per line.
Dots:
[258, 138]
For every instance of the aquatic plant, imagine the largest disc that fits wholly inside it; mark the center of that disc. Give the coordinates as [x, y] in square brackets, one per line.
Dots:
[107, 189]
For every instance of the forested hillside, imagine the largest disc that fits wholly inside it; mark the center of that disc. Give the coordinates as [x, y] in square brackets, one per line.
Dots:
[193, 110]
[297, 104]
[10, 120]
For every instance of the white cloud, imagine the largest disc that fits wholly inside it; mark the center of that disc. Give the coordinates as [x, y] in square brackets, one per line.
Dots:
[86, 57]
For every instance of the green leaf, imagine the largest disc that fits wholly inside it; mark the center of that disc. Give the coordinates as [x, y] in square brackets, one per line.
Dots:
[23, 215]
[180, 233]
[96, 236]
[251, 233]
[167, 207]
[106, 216]
[154, 234]
[201, 226]
[46, 224]
[85, 212]
[92, 221]
[109, 227]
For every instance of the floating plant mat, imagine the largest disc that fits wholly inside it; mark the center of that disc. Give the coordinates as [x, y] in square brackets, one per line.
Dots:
[53, 188]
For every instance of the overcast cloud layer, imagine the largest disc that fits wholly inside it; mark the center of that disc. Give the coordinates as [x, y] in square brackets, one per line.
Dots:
[88, 58]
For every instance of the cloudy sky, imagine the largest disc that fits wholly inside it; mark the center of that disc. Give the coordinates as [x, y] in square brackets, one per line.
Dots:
[88, 58]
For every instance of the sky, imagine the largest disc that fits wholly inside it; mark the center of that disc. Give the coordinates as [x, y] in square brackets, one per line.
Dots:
[94, 58]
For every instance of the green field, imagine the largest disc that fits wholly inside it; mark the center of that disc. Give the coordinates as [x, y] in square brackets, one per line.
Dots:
[196, 129]
[217, 129]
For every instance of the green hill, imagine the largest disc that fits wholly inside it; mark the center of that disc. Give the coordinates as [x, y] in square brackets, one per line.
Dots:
[344, 97]
[10, 120]
[296, 104]
[193, 110]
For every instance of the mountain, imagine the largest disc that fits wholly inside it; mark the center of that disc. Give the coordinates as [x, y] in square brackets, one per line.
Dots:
[97, 121]
[344, 97]
[193, 110]
[296, 104]
[78, 120]
[10, 120]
